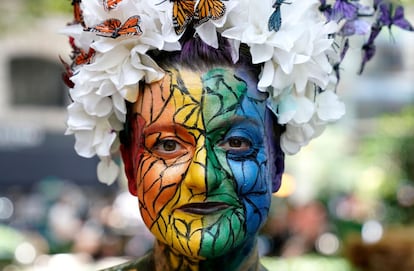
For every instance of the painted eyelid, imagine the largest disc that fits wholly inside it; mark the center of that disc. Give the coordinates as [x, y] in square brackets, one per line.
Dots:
[153, 139]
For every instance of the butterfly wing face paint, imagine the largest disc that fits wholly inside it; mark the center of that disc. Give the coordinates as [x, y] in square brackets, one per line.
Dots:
[201, 181]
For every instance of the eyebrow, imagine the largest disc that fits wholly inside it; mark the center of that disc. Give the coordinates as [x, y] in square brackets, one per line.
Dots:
[231, 121]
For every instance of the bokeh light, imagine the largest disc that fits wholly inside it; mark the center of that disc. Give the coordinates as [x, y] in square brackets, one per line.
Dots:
[372, 231]
[6, 208]
[25, 253]
[328, 243]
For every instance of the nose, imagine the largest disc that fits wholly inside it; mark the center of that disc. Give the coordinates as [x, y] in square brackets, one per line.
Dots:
[215, 171]
[195, 178]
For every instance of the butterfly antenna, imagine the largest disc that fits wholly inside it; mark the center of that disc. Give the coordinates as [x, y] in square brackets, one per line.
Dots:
[160, 2]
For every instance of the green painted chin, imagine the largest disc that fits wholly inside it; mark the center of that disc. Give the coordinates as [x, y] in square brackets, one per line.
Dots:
[222, 233]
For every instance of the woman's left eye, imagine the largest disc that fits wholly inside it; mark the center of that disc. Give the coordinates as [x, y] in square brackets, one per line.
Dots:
[236, 144]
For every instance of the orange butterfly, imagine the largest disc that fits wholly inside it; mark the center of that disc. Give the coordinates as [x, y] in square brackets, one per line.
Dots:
[113, 28]
[77, 12]
[82, 57]
[209, 9]
[110, 4]
[183, 13]
[67, 74]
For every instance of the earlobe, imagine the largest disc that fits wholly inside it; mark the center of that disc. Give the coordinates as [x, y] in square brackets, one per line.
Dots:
[129, 169]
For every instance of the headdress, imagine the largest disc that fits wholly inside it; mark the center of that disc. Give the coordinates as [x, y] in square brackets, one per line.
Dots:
[299, 43]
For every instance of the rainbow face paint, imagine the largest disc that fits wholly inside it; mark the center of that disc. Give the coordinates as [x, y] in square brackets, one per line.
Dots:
[201, 162]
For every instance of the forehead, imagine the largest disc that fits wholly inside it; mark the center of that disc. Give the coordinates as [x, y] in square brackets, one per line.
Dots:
[183, 95]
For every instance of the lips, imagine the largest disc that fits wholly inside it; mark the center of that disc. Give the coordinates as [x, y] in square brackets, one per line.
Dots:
[204, 208]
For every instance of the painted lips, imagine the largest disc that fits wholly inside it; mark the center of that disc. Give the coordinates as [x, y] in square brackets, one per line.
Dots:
[204, 208]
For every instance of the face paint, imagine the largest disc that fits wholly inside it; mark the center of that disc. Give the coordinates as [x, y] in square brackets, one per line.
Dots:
[201, 174]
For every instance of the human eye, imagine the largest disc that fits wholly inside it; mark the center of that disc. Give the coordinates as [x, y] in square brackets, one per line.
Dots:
[236, 144]
[168, 148]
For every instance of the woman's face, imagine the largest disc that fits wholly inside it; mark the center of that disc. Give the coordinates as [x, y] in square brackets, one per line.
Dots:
[200, 162]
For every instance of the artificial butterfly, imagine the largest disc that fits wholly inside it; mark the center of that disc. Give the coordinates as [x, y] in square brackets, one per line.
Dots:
[368, 47]
[77, 12]
[344, 9]
[209, 9]
[275, 20]
[390, 16]
[113, 28]
[325, 8]
[183, 13]
[336, 66]
[82, 57]
[67, 74]
[110, 4]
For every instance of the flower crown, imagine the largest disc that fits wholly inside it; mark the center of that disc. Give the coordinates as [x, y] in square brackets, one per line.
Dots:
[300, 44]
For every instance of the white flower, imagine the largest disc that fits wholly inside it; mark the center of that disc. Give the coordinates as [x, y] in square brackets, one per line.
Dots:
[295, 66]
[107, 170]
[328, 106]
[296, 137]
[208, 30]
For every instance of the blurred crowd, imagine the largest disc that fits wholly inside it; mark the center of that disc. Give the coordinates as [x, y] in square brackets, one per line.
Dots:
[56, 217]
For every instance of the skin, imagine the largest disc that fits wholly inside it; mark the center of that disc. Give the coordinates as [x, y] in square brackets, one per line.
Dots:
[198, 165]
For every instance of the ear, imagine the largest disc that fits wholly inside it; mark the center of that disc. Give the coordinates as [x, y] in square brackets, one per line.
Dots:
[276, 157]
[126, 152]
[132, 146]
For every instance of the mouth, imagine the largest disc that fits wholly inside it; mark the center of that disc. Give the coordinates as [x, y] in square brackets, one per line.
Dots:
[204, 208]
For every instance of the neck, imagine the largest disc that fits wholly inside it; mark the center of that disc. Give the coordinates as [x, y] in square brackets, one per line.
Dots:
[244, 258]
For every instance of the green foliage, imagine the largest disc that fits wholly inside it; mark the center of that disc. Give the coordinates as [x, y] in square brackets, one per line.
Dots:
[42, 8]
[391, 147]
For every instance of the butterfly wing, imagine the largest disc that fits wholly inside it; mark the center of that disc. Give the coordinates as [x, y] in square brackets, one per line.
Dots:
[130, 27]
[77, 12]
[385, 14]
[275, 20]
[183, 13]
[400, 20]
[108, 28]
[83, 57]
[209, 9]
[369, 49]
[110, 4]
[67, 74]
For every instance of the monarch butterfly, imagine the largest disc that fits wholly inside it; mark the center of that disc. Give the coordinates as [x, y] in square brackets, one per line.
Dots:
[209, 9]
[82, 57]
[183, 13]
[113, 28]
[275, 20]
[110, 4]
[77, 12]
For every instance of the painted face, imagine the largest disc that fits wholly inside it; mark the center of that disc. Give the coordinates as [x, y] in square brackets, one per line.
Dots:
[200, 161]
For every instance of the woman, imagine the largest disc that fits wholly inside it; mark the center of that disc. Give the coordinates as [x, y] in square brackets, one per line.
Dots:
[189, 91]
[201, 153]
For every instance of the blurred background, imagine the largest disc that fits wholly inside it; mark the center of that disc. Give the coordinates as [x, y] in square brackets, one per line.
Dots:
[346, 203]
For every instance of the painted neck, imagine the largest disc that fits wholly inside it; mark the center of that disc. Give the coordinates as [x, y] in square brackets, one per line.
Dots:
[245, 258]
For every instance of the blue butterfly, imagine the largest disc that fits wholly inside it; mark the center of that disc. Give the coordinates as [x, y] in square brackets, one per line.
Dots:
[275, 20]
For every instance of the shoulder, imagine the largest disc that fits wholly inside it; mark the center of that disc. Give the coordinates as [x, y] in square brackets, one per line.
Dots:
[145, 263]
